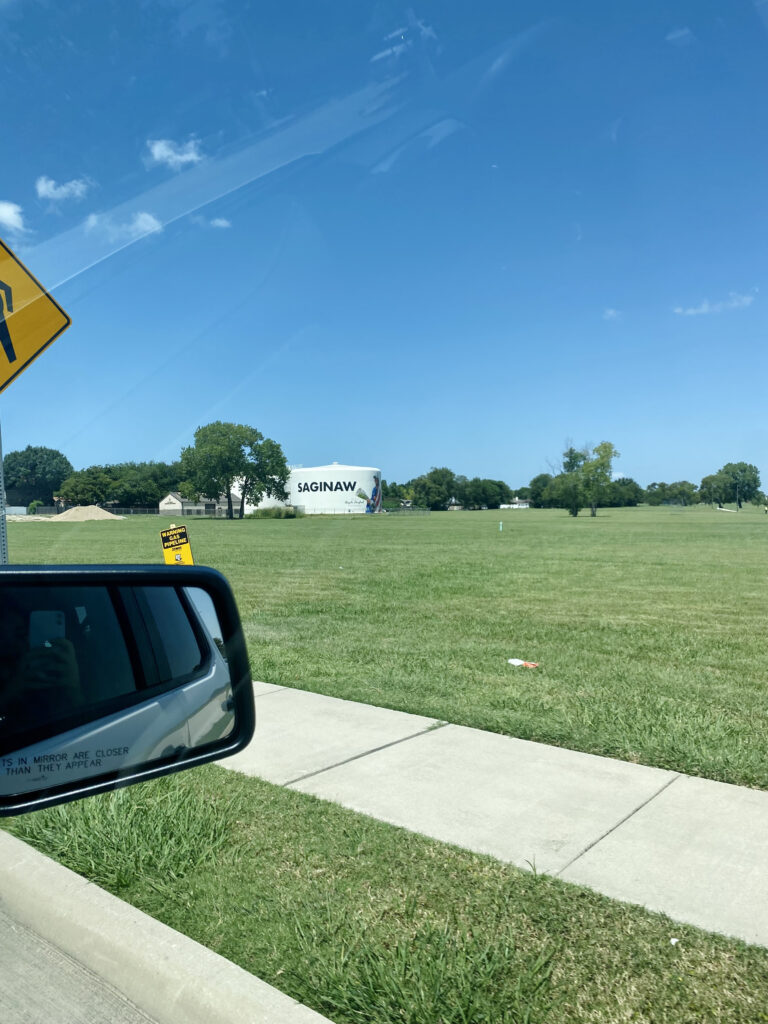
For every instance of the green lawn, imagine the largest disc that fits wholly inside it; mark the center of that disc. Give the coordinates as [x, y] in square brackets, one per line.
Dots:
[649, 628]
[649, 624]
[370, 924]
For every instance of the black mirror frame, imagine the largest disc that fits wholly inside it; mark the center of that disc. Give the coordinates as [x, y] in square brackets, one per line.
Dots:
[207, 579]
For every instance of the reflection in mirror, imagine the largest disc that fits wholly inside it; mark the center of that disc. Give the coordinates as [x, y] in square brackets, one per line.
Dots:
[74, 658]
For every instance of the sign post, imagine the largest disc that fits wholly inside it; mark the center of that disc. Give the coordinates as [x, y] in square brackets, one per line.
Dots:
[3, 525]
[30, 320]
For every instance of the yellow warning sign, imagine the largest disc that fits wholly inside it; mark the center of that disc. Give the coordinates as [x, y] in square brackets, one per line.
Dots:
[30, 319]
[176, 549]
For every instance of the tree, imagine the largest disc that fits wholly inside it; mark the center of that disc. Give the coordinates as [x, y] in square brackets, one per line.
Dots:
[482, 493]
[225, 453]
[212, 464]
[265, 470]
[142, 484]
[574, 458]
[713, 489]
[537, 488]
[742, 481]
[595, 472]
[435, 489]
[682, 492]
[90, 486]
[566, 490]
[625, 492]
[656, 493]
[35, 474]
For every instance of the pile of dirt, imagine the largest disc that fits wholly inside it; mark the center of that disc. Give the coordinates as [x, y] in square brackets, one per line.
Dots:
[83, 514]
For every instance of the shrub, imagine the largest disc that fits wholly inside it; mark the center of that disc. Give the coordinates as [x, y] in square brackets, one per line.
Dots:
[34, 506]
[278, 512]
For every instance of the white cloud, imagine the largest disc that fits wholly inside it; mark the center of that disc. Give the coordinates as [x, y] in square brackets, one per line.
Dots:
[735, 300]
[141, 224]
[391, 51]
[437, 132]
[426, 31]
[680, 37]
[173, 154]
[611, 314]
[214, 222]
[11, 216]
[47, 188]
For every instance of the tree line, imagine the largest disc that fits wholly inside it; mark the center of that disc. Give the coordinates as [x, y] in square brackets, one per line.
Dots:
[439, 488]
[227, 453]
[586, 480]
[222, 454]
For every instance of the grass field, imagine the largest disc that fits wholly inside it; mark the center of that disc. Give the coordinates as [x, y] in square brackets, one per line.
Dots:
[649, 624]
[649, 628]
[373, 925]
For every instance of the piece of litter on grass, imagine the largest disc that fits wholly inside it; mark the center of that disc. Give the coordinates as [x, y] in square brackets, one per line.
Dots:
[525, 664]
[673, 942]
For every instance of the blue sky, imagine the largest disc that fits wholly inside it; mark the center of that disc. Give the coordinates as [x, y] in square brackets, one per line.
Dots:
[393, 235]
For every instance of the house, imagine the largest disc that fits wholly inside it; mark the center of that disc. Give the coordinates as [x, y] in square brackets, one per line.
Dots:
[173, 504]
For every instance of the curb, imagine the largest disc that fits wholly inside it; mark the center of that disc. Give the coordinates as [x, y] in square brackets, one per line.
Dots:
[170, 977]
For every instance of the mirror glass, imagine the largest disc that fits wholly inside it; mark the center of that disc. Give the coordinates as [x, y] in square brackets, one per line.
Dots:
[73, 659]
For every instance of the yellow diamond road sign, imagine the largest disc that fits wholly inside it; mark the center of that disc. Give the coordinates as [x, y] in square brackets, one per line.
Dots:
[29, 318]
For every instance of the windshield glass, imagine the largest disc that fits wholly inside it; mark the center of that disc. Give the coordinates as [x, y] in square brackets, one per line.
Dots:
[439, 236]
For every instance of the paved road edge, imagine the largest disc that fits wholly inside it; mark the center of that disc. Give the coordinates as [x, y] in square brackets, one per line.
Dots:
[170, 977]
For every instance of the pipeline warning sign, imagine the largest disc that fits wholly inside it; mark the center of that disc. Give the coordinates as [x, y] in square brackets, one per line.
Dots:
[176, 548]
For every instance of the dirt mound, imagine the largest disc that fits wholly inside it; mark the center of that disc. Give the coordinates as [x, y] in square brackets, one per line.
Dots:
[83, 514]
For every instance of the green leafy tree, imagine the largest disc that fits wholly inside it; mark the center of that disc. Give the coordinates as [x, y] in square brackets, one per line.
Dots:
[435, 489]
[265, 471]
[228, 453]
[742, 482]
[656, 493]
[566, 490]
[142, 484]
[215, 461]
[92, 486]
[681, 492]
[624, 492]
[35, 474]
[595, 473]
[574, 459]
[713, 489]
[537, 489]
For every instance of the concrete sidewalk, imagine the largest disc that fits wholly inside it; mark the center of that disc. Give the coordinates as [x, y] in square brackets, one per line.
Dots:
[692, 848]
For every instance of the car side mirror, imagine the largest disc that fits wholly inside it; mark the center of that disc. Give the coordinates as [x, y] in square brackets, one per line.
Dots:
[110, 675]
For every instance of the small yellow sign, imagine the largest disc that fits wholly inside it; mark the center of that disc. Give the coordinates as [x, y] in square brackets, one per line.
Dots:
[30, 319]
[176, 549]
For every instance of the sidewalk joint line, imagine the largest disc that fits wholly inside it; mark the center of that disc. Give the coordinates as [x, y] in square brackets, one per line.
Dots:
[367, 753]
[618, 824]
[269, 693]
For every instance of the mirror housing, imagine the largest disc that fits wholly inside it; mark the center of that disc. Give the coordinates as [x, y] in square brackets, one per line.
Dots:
[111, 675]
